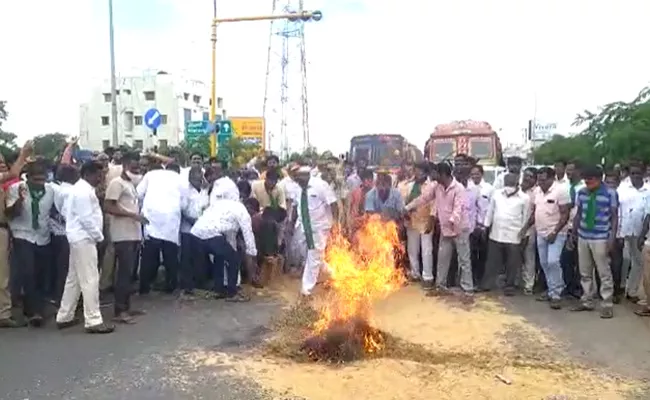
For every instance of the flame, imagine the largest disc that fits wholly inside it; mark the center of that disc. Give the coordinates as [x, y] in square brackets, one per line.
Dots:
[361, 273]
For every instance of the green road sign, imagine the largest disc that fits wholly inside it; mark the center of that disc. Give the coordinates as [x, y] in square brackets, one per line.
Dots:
[195, 129]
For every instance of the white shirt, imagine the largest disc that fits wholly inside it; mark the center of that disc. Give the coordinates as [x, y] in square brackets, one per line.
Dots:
[291, 189]
[507, 216]
[197, 201]
[61, 193]
[83, 216]
[225, 218]
[485, 194]
[163, 195]
[21, 225]
[498, 181]
[319, 198]
[631, 209]
[224, 188]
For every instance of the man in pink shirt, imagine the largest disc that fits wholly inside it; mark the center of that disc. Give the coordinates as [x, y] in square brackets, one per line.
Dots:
[455, 226]
[551, 214]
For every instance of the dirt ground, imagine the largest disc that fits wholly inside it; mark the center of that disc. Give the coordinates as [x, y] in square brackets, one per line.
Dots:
[442, 348]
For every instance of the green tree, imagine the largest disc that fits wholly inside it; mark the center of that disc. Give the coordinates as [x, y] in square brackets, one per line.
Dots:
[50, 145]
[618, 132]
[7, 139]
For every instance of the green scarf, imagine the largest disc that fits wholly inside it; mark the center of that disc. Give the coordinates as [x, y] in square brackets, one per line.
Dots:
[590, 214]
[416, 191]
[306, 220]
[36, 193]
[274, 199]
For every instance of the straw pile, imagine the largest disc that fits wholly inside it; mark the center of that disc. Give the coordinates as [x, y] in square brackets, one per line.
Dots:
[433, 349]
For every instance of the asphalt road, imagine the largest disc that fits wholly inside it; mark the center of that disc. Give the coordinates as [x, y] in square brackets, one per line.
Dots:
[138, 361]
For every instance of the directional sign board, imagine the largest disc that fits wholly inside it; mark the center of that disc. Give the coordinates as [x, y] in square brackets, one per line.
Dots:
[195, 129]
[225, 128]
[152, 118]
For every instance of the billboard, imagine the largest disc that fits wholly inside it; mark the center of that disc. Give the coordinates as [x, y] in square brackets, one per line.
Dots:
[249, 129]
[543, 131]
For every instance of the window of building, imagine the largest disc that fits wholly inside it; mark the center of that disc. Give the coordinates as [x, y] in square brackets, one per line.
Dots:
[106, 120]
[150, 96]
[137, 144]
[196, 99]
[162, 144]
[206, 116]
[107, 97]
[128, 121]
[163, 119]
[138, 119]
[219, 102]
[186, 96]
[106, 144]
[187, 115]
[127, 91]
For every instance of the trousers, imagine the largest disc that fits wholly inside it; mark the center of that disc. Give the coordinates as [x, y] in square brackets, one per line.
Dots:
[83, 278]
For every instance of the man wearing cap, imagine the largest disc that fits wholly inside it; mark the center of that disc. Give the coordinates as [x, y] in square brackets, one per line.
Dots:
[317, 210]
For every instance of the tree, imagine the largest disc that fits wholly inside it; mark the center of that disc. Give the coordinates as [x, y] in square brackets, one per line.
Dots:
[618, 132]
[50, 145]
[7, 139]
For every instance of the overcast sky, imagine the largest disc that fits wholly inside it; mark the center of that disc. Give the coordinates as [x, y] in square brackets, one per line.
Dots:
[384, 66]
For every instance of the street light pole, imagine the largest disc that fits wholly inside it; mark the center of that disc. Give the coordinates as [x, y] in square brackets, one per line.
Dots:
[114, 122]
[293, 16]
[213, 88]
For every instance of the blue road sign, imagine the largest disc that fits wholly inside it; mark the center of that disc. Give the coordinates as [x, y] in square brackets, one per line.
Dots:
[152, 118]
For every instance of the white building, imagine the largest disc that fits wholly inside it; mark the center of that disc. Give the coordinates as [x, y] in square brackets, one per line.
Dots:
[177, 99]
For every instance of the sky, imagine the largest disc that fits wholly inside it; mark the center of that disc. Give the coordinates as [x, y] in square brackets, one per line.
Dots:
[381, 66]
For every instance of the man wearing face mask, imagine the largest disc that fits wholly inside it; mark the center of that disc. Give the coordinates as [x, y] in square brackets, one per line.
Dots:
[507, 214]
[125, 230]
[596, 223]
[28, 208]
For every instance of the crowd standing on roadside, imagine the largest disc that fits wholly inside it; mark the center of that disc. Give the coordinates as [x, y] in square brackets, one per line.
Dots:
[100, 230]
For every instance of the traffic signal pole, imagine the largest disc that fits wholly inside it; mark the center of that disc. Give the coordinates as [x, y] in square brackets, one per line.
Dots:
[300, 15]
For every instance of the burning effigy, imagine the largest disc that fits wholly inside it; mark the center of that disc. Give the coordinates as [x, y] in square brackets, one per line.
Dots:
[363, 269]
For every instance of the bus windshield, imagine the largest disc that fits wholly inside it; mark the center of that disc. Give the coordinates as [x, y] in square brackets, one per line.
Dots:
[380, 151]
[442, 150]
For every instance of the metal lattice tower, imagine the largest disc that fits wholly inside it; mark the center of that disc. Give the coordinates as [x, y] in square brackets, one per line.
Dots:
[286, 107]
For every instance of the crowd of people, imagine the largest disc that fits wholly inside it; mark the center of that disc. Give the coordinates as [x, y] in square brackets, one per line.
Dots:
[565, 231]
[100, 230]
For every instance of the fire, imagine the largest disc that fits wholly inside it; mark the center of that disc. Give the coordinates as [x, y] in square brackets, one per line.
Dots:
[361, 272]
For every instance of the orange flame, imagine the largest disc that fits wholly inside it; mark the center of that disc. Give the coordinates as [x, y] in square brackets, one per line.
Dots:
[362, 272]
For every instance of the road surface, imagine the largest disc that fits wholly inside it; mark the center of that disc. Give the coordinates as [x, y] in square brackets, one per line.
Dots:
[137, 361]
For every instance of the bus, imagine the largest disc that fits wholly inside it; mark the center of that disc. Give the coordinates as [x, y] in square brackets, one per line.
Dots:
[384, 151]
[473, 138]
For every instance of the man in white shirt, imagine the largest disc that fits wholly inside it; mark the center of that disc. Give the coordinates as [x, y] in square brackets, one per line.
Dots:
[478, 243]
[528, 275]
[162, 193]
[220, 219]
[631, 211]
[222, 186]
[66, 177]
[192, 257]
[84, 225]
[28, 208]
[317, 210]
[507, 215]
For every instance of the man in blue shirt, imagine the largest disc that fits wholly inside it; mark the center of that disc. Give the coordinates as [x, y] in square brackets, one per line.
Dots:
[384, 199]
[596, 224]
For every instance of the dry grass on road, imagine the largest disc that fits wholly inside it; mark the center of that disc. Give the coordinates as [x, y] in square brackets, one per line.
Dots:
[436, 349]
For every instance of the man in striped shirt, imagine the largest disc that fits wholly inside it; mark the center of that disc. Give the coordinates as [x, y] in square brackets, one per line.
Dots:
[596, 224]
